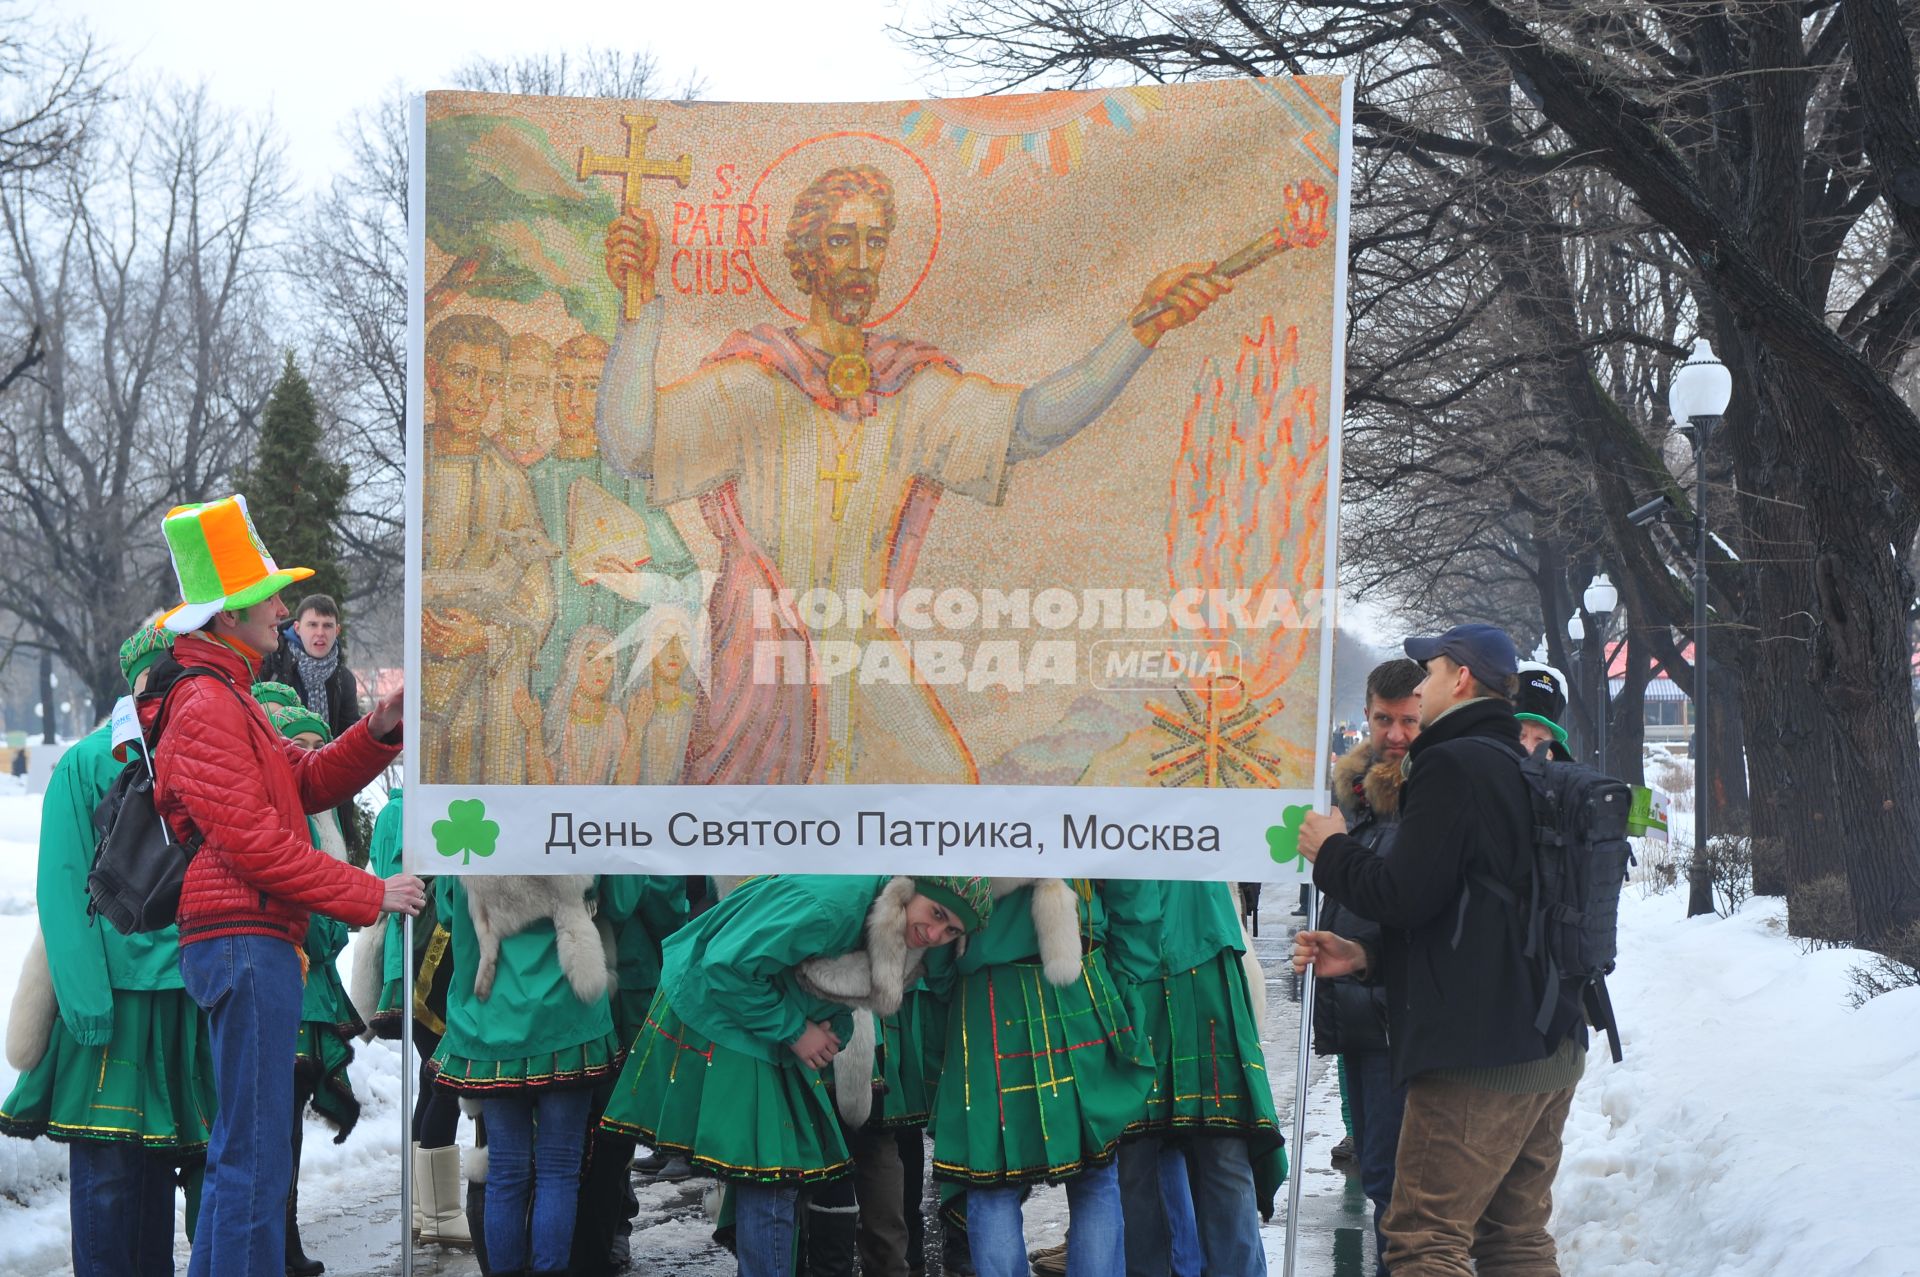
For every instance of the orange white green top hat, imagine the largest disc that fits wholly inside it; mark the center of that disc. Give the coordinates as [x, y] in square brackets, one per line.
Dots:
[220, 562]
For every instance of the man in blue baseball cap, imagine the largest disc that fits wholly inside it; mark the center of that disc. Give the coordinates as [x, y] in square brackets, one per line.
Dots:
[1488, 1090]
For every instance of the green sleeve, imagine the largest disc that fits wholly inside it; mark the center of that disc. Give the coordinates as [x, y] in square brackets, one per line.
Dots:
[383, 858]
[76, 944]
[663, 905]
[619, 896]
[1135, 911]
[780, 926]
[384, 852]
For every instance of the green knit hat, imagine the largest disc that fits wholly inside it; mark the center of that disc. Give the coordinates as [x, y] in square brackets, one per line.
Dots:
[297, 720]
[148, 644]
[270, 693]
[970, 899]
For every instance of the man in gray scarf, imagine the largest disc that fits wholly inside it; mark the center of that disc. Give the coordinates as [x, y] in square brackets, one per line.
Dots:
[311, 661]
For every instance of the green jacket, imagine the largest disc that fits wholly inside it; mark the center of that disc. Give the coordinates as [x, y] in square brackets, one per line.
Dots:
[730, 972]
[532, 1010]
[383, 858]
[1009, 935]
[88, 958]
[651, 909]
[1182, 925]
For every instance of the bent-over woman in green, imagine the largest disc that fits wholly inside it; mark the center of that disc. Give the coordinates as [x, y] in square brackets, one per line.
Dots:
[529, 1033]
[1199, 1010]
[113, 1054]
[754, 1002]
[1042, 1075]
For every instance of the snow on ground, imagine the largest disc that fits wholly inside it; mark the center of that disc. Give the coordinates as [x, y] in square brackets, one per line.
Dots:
[1757, 1126]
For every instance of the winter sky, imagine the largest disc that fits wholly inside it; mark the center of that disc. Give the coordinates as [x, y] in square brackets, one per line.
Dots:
[313, 64]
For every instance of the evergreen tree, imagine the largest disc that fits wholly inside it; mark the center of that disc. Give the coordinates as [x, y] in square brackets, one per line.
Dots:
[293, 492]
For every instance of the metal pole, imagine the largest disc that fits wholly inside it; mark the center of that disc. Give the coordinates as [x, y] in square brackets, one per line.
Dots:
[406, 1094]
[1300, 1080]
[1702, 430]
[1606, 694]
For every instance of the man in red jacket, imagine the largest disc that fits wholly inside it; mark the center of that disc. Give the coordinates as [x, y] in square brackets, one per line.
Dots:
[223, 774]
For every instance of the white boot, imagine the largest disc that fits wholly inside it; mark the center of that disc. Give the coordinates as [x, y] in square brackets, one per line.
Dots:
[419, 1186]
[438, 1195]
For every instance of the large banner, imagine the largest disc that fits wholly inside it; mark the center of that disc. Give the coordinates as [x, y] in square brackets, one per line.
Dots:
[875, 486]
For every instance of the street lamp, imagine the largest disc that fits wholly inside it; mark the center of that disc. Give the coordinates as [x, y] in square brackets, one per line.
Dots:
[1600, 599]
[1577, 632]
[1698, 397]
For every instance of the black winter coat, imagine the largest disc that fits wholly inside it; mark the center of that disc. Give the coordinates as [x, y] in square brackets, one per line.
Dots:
[343, 711]
[1349, 1014]
[1461, 992]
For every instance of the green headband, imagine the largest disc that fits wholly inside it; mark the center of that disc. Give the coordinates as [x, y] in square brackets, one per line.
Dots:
[297, 720]
[968, 899]
[148, 644]
[277, 694]
[1559, 732]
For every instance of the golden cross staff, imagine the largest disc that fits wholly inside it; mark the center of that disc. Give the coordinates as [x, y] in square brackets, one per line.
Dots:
[633, 168]
[1305, 227]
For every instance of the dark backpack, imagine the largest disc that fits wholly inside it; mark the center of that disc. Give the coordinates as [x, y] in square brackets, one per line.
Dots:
[1579, 863]
[139, 865]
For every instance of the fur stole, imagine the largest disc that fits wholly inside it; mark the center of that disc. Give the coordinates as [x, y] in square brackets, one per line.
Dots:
[1056, 924]
[853, 1072]
[1250, 967]
[507, 905]
[873, 978]
[30, 1023]
[369, 975]
[1378, 783]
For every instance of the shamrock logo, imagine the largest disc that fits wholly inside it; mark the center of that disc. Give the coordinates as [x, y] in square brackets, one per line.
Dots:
[1283, 839]
[466, 832]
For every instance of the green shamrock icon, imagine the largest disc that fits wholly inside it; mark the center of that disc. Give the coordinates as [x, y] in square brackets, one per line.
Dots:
[466, 832]
[1283, 839]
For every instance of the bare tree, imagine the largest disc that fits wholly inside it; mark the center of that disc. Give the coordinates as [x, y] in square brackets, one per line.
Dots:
[141, 257]
[1768, 148]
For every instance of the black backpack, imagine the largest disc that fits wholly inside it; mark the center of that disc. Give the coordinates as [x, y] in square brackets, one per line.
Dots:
[138, 864]
[1579, 864]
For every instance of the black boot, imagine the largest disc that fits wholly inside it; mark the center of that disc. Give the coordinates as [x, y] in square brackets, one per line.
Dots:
[832, 1231]
[298, 1262]
[477, 1225]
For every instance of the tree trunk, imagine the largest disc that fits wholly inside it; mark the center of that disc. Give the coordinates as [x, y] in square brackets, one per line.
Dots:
[1627, 720]
[49, 708]
[1869, 788]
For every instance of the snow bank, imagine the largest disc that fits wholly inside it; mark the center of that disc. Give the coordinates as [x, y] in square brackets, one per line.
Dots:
[1758, 1125]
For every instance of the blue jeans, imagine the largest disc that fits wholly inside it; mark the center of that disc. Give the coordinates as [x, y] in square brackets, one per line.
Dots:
[121, 1205]
[535, 1143]
[764, 1224]
[1221, 1172]
[1220, 1179]
[1176, 1195]
[249, 986]
[1095, 1236]
[1377, 1108]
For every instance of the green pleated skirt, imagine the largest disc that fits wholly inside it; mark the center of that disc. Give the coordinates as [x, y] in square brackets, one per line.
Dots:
[580, 1065]
[1210, 1071]
[152, 1084]
[738, 1117]
[1038, 1082]
[910, 1062]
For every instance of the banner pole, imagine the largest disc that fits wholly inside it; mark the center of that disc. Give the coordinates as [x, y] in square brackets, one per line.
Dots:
[1300, 1081]
[406, 1094]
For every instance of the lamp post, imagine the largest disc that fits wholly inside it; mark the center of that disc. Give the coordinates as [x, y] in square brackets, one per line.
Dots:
[1600, 600]
[1577, 633]
[1698, 397]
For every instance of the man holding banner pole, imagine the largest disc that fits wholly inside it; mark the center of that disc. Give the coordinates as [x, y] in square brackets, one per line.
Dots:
[1487, 1091]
